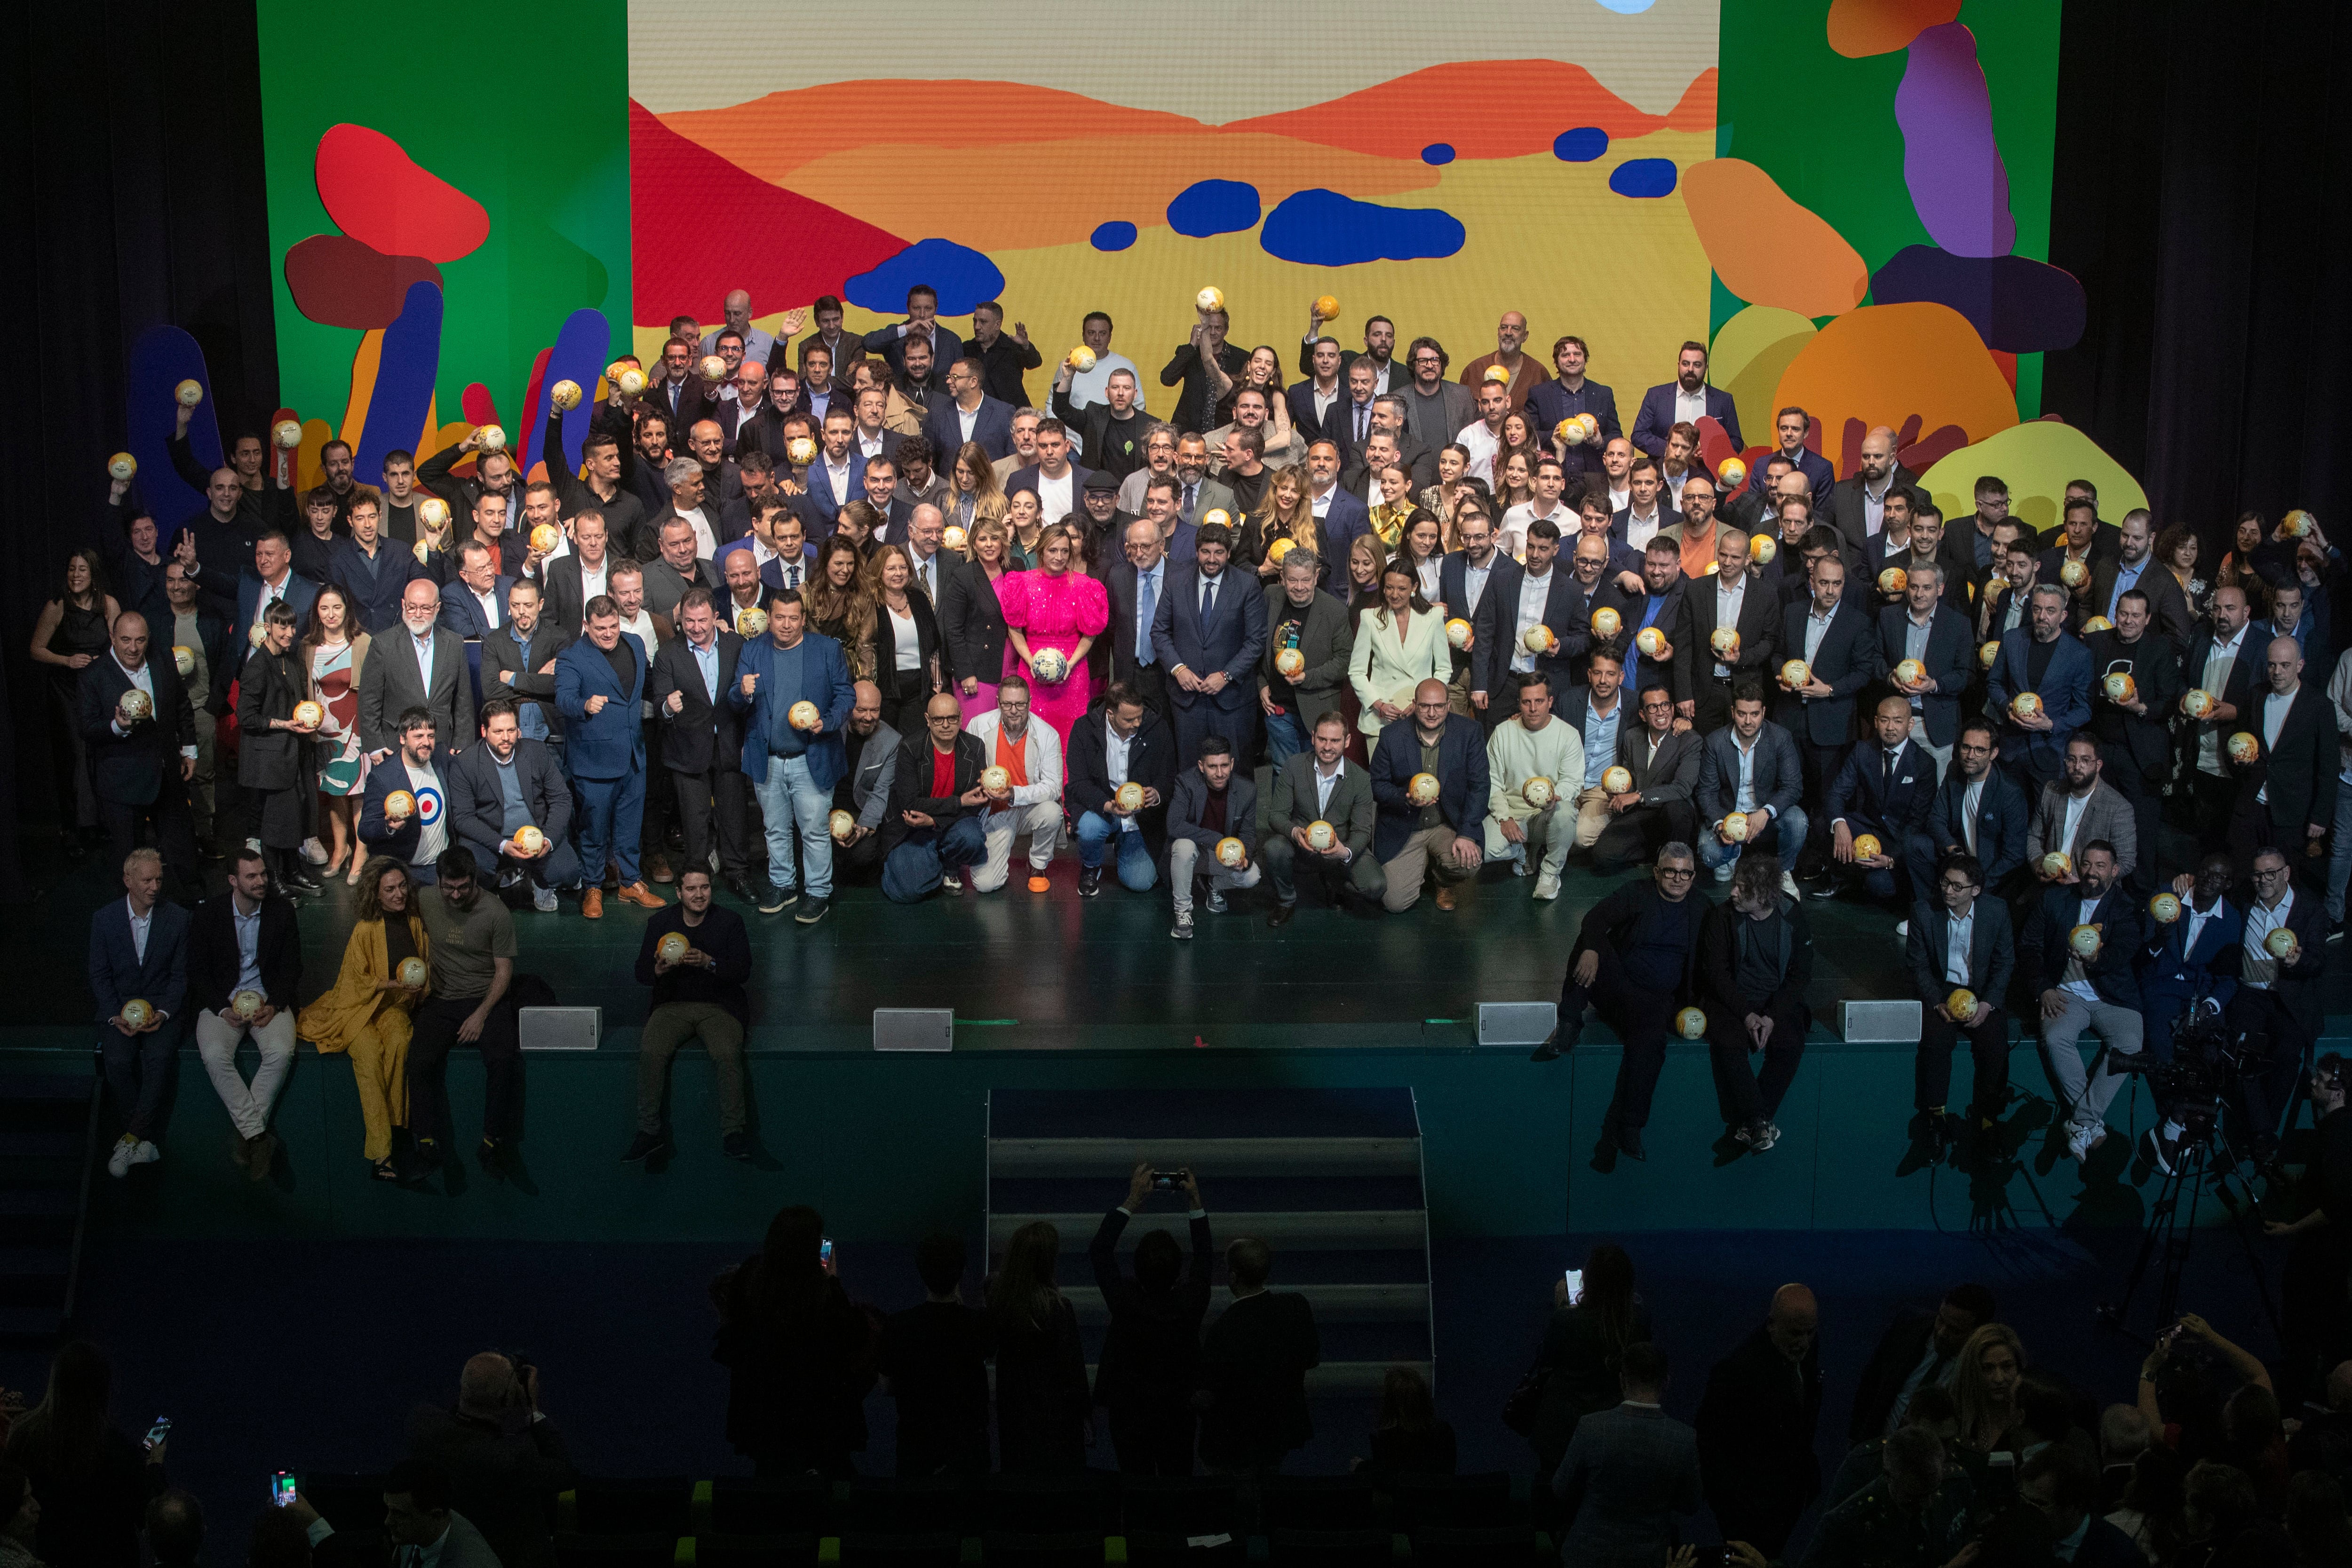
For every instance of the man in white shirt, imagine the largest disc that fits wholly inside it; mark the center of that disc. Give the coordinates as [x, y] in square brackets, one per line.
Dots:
[1342, 795]
[1058, 492]
[1484, 438]
[1946, 957]
[1617, 468]
[926, 527]
[838, 468]
[220, 973]
[2275, 1007]
[1538, 743]
[2212, 784]
[1550, 480]
[1104, 824]
[1644, 515]
[1091, 386]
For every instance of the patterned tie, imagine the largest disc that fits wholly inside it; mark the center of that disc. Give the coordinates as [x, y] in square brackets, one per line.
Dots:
[1144, 604]
[1208, 599]
[1190, 491]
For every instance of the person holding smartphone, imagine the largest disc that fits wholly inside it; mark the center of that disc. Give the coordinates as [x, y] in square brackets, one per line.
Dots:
[1144, 1380]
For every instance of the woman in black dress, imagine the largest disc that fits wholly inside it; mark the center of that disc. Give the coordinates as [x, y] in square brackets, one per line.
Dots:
[906, 640]
[73, 630]
[1043, 1420]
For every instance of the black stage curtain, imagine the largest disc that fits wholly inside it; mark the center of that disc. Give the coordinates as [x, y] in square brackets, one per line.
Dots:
[2202, 153]
[135, 151]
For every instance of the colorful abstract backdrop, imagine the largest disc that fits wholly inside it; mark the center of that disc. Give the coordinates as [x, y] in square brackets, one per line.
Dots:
[1848, 198]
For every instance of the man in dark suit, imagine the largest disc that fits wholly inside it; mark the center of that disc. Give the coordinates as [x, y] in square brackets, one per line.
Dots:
[1854, 504]
[2082, 541]
[240, 986]
[1212, 800]
[600, 682]
[482, 821]
[1885, 790]
[1304, 669]
[1658, 810]
[2062, 1484]
[841, 347]
[1661, 409]
[1731, 600]
[370, 569]
[2039, 658]
[417, 768]
[2128, 718]
[271, 577]
[2134, 566]
[1253, 1369]
[1209, 632]
[1054, 465]
[1318, 401]
[2057, 973]
[1185, 368]
[922, 324]
[1566, 396]
[1789, 428]
[1343, 517]
[1500, 656]
[702, 738]
[474, 601]
[1414, 837]
[1320, 785]
[131, 741]
[1927, 631]
[1758, 1423]
[1979, 810]
[2192, 960]
[2276, 1007]
[1918, 1349]
[1980, 963]
[1750, 768]
[968, 413]
[1658, 605]
[1832, 636]
[1637, 1465]
[519, 661]
[2225, 661]
[579, 574]
[1121, 741]
[2286, 792]
[418, 664]
[1136, 584]
[681, 395]
[139, 952]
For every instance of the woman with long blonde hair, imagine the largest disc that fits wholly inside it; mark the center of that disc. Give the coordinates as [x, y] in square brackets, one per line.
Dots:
[973, 495]
[906, 640]
[971, 617]
[1288, 512]
[1984, 1386]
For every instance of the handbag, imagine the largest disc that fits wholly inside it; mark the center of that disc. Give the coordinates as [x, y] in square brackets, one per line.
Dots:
[1526, 1401]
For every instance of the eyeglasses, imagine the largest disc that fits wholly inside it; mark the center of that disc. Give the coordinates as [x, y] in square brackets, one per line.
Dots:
[1951, 886]
[2271, 875]
[1676, 871]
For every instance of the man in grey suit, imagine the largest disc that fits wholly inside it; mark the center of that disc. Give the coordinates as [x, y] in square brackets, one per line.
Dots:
[1308, 642]
[2098, 807]
[1631, 1474]
[863, 788]
[423, 665]
[1321, 785]
[1663, 762]
[1209, 630]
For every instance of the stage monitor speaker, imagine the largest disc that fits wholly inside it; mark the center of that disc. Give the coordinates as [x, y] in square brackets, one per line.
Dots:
[914, 1028]
[1881, 1023]
[1515, 1023]
[560, 1029]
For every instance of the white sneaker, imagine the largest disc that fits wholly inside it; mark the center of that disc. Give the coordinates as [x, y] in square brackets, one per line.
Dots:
[1902, 928]
[1789, 885]
[314, 851]
[1546, 888]
[146, 1154]
[118, 1163]
[543, 900]
[2078, 1141]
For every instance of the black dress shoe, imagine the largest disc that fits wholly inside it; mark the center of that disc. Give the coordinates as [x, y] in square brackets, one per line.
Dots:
[299, 881]
[741, 889]
[1629, 1142]
[1280, 914]
[1090, 880]
[644, 1144]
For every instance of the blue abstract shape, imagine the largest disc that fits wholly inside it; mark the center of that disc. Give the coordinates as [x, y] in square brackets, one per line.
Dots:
[161, 360]
[1208, 207]
[964, 277]
[1117, 234]
[406, 364]
[578, 356]
[1627, 7]
[2018, 305]
[1644, 177]
[1582, 145]
[1438, 153]
[1324, 228]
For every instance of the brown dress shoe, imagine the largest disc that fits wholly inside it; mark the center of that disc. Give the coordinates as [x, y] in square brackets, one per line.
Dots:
[1445, 898]
[592, 903]
[643, 897]
[658, 868]
[264, 1148]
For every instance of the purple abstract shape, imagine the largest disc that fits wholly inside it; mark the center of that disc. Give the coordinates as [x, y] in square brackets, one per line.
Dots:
[407, 361]
[2018, 305]
[579, 356]
[161, 360]
[1951, 160]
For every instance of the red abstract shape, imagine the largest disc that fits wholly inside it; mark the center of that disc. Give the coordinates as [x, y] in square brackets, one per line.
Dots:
[782, 246]
[1926, 453]
[477, 405]
[338, 281]
[1546, 98]
[381, 197]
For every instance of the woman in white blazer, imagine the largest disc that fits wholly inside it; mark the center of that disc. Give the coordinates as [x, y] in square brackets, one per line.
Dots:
[1399, 644]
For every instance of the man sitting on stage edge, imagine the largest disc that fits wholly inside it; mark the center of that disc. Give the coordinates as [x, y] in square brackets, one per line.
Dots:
[697, 992]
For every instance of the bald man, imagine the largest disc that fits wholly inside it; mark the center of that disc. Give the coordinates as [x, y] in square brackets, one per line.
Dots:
[1757, 1423]
[1856, 504]
[2287, 798]
[1525, 371]
[503, 1454]
[141, 749]
[1441, 838]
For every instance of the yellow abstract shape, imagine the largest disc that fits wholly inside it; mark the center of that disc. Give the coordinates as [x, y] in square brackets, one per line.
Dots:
[364, 364]
[1858, 28]
[1753, 349]
[2036, 459]
[1805, 266]
[308, 470]
[1883, 364]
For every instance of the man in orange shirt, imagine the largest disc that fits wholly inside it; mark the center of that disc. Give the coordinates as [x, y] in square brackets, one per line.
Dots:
[1031, 801]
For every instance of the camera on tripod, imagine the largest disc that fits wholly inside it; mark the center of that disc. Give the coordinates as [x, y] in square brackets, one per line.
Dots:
[2209, 1059]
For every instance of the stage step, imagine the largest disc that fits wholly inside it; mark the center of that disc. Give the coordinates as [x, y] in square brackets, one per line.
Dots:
[46, 1158]
[1331, 1179]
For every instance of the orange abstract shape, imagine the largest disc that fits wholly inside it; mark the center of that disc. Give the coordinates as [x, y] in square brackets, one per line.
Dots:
[308, 472]
[1859, 28]
[1885, 364]
[381, 197]
[1696, 109]
[1546, 98]
[1807, 266]
[365, 362]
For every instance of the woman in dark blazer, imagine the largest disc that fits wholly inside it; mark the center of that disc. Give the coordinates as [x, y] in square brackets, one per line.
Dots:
[889, 582]
[269, 746]
[972, 620]
[1043, 1419]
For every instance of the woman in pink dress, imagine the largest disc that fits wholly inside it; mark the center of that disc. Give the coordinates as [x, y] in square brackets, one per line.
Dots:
[1053, 607]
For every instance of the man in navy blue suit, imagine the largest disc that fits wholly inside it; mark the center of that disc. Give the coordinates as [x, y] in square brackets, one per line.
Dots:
[417, 836]
[1209, 630]
[2193, 959]
[1959, 940]
[837, 476]
[968, 413]
[1789, 428]
[1832, 635]
[1415, 840]
[271, 577]
[1925, 628]
[600, 683]
[2040, 658]
[139, 951]
[1570, 393]
[474, 601]
[922, 322]
[1979, 809]
[1687, 398]
[1886, 789]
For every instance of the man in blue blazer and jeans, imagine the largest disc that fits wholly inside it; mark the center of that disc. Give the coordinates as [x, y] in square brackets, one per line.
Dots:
[138, 950]
[600, 682]
[793, 769]
[1414, 840]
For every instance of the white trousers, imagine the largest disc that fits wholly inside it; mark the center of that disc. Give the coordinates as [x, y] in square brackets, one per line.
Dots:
[248, 1104]
[1042, 822]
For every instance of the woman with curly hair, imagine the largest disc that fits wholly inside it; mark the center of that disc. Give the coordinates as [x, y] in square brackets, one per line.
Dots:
[837, 604]
[365, 1014]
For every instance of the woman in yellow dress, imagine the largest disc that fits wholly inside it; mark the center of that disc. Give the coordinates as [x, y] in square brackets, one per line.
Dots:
[367, 1012]
[1395, 504]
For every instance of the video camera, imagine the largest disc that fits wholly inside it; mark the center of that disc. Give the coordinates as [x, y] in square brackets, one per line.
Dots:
[2209, 1059]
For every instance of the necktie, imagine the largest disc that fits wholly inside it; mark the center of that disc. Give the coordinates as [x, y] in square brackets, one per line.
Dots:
[1208, 599]
[1359, 425]
[792, 578]
[1190, 492]
[1144, 598]
[1885, 775]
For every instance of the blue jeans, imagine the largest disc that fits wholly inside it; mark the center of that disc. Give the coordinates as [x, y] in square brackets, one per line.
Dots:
[788, 800]
[1784, 834]
[1136, 871]
[611, 812]
[912, 870]
[1283, 738]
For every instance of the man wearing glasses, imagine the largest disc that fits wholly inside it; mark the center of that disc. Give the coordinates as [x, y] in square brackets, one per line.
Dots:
[2276, 1005]
[1663, 762]
[1960, 942]
[1434, 408]
[1631, 964]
